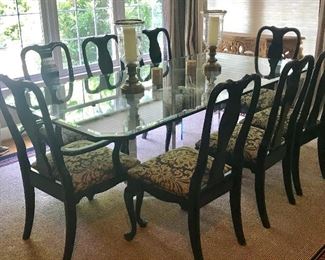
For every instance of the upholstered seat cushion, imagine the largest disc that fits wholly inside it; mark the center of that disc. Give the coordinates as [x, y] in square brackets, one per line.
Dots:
[68, 136]
[172, 171]
[90, 168]
[253, 141]
[261, 118]
[265, 99]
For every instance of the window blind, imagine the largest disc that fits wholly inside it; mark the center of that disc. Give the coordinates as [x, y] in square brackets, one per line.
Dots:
[247, 16]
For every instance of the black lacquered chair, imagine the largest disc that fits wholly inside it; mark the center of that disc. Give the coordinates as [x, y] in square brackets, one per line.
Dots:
[193, 179]
[155, 54]
[105, 62]
[49, 69]
[275, 53]
[68, 173]
[271, 136]
[154, 47]
[310, 122]
[51, 77]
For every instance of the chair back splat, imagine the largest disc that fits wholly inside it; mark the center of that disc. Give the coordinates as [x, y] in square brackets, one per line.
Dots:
[192, 178]
[49, 69]
[275, 54]
[275, 51]
[288, 99]
[105, 61]
[154, 48]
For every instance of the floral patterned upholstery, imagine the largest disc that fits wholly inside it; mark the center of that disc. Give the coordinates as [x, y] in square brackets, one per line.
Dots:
[265, 99]
[90, 168]
[261, 118]
[69, 136]
[172, 171]
[253, 141]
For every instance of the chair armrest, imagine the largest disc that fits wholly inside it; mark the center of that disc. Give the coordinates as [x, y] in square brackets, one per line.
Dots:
[85, 149]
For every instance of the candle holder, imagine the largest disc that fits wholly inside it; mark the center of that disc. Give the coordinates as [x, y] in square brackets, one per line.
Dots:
[132, 84]
[213, 29]
[129, 33]
[212, 68]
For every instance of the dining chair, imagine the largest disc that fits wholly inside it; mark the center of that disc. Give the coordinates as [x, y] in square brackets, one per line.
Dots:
[154, 47]
[309, 124]
[68, 173]
[49, 69]
[51, 77]
[105, 62]
[270, 138]
[275, 54]
[192, 178]
[155, 54]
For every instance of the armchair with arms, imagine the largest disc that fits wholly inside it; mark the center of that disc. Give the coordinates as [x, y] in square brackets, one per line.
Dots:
[68, 173]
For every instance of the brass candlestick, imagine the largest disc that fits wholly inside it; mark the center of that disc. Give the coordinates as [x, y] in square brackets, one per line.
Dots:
[132, 85]
[212, 68]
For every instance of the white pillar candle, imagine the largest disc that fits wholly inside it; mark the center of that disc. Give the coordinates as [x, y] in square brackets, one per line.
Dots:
[130, 44]
[213, 30]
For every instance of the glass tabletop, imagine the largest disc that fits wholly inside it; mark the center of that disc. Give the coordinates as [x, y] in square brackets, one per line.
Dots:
[97, 107]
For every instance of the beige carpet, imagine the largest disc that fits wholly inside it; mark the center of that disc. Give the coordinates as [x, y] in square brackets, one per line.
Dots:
[297, 232]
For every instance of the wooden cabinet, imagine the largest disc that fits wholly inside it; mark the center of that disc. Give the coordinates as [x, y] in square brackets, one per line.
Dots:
[244, 44]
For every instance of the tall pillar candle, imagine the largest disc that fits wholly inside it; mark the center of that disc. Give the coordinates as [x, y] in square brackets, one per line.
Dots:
[213, 30]
[130, 44]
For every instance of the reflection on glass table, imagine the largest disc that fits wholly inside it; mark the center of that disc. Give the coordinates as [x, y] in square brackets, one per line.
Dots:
[97, 110]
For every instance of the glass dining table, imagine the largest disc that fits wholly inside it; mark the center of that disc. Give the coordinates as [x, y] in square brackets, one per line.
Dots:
[97, 108]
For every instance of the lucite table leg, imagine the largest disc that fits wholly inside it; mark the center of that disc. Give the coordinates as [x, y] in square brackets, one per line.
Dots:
[173, 135]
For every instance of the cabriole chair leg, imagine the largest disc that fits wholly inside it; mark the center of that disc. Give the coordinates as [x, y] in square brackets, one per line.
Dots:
[286, 171]
[128, 199]
[141, 222]
[70, 235]
[260, 197]
[194, 231]
[30, 210]
[295, 170]
[236, 215]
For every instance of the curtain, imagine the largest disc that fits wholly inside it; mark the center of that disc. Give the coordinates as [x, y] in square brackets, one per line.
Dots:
[183, 21]
[174, 20]
[191, 27]
[320, 41]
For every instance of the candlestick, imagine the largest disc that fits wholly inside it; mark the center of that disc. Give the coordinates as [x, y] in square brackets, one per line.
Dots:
[132, 85]
[212, 68]
[130, 44]
[213, 30]
[157, 76]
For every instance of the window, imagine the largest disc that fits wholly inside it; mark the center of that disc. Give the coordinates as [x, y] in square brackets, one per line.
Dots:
[68, 21]
[247, 16]
[17, 20]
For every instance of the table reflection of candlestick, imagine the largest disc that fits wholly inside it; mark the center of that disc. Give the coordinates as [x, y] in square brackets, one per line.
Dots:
[157, 76]
[133, 120]
[191, 70]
